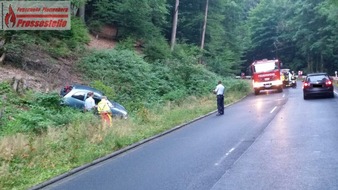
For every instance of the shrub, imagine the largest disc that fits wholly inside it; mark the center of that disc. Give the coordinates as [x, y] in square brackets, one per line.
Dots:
[156, 49]
[108, 91]
[138, 84]
[4, 88]
[33, 112]
[94, 26]
[61, 43]
[127, 44]
[186, 53]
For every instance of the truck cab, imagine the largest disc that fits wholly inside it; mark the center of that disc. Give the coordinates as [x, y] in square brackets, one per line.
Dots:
[266, 74]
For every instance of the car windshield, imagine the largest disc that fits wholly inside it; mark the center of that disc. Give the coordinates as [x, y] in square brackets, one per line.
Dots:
[265, 67]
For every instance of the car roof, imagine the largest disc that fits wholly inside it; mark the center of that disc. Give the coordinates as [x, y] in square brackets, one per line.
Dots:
[316, 74]
[83, 87]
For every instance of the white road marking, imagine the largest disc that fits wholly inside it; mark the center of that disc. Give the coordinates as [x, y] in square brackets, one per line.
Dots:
[228, 153]
[335, 92]
[273, 109]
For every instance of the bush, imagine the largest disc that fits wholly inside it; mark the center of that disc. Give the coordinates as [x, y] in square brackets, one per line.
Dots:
[126, 44]
[94, 26]
[61, 43]
[156, 49]
[108, 91]
[4, 88]
[186, 53]
[122, 70]
[138, 84]
[32, 112]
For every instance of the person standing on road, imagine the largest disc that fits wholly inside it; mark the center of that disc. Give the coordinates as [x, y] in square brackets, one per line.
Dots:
[104, 110]
[219, 91]
[89, 102]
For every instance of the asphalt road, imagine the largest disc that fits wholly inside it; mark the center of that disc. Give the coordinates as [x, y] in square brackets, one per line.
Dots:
[270, 141]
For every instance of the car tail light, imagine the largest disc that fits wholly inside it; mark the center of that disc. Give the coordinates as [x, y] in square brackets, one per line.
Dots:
[328, 83]
[306, 85]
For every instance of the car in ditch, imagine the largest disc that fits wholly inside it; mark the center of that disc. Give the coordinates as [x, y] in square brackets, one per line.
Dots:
[75, 96]
[318, 84]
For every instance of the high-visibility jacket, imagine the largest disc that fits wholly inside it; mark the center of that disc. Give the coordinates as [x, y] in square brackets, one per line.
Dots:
[103, 107]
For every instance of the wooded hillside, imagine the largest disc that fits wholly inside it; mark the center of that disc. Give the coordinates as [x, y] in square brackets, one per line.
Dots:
[301, 33]
[224, 35]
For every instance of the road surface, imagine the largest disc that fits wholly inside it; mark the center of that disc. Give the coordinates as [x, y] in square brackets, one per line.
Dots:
[270, 141]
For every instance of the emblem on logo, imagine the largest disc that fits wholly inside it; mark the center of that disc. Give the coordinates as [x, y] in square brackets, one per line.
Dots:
[10, 17]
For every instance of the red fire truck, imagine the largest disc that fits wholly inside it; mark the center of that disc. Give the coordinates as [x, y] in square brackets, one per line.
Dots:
[266, 75]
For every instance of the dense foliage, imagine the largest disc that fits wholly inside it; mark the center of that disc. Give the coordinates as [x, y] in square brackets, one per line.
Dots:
[301, 33]
[150, 21]
[31, 112]
[56, 43]
[138, 84]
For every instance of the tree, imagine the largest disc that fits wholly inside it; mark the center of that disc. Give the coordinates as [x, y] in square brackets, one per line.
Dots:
[174, 27]
[141, 19]
[204, 24]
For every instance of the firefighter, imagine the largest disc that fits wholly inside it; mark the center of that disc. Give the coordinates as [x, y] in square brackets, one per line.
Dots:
[283, 79]
[105, 112]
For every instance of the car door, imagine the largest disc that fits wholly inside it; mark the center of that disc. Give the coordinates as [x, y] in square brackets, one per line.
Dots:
[97, 98]
[78, 99]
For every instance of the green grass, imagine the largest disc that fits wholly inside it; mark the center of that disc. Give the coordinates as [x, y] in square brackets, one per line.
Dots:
[28, 159]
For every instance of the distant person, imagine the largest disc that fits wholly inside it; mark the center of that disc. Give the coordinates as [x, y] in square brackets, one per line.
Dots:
[243, 75]
[65, 90]
[293, 75]
[290, 76]
[219, 91]
[105, 111]
[89, 102]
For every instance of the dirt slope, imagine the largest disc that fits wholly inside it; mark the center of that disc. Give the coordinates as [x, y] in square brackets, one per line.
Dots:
[44, 73]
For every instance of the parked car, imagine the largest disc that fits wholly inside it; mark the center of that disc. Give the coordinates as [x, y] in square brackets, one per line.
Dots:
[75, 96]
[318, 84]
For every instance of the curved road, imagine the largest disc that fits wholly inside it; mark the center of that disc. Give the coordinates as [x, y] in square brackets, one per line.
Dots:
[269, 141]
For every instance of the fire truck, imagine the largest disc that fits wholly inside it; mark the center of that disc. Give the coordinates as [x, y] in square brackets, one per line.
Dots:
[266, 75]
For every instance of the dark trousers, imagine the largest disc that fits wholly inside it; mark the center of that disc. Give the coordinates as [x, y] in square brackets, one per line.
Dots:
[220, 104]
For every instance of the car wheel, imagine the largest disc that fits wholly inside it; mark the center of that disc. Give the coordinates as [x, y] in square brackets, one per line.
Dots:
[305, 97]
[332, 95]
[256, 92]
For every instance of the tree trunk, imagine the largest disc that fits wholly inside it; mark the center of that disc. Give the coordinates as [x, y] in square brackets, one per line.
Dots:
[2, 58]
[321, 63]
[2, 50]
[204, 24]
[310, 63]
[82, 10]
[19, 85]
[173, 33]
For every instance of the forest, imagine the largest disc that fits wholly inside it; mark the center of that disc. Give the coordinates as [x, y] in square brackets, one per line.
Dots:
[301, 33]
[224, 35]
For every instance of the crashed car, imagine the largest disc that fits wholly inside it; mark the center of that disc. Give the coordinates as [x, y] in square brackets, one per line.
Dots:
[75, 96]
